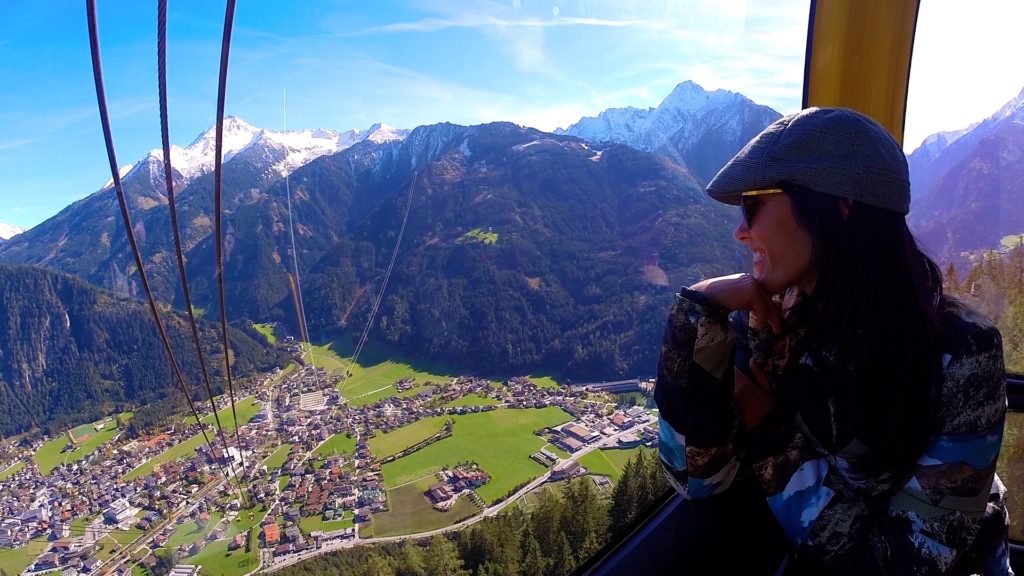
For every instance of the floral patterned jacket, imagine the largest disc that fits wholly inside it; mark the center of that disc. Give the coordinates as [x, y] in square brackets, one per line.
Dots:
[949, 516]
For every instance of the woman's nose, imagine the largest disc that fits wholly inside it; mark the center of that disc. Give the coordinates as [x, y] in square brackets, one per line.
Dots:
[741, 233]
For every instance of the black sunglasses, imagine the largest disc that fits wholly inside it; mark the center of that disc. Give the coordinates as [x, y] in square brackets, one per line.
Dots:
[749, 207]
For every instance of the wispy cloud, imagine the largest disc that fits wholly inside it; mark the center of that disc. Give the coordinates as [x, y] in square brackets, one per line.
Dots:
[436, 24]
[10, 143]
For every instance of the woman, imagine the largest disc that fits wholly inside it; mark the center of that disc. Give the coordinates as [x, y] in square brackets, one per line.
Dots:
[865, 405]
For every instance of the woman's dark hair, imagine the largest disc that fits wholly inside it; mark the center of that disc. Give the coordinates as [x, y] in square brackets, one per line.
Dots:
[876, 301]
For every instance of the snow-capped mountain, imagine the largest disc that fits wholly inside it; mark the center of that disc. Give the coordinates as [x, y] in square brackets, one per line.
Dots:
[940, 151]
[288, 150]
[965, 184]
[8, 231]
[698, 128]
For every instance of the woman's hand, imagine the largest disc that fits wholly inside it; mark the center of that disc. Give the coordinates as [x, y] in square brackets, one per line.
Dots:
[743, 292]
[753, 400]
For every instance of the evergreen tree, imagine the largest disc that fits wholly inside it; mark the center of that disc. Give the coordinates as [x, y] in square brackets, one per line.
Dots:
[410, 562]
[562, 561]
[547, 520]
[378, 565]
[585, 527]
[624, 498]
[533, 560]
[442, 558]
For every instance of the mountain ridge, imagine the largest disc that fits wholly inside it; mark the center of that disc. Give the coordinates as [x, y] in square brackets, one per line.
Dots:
[695, 127]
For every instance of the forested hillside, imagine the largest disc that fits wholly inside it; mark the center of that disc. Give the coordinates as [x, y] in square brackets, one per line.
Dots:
[994, 285]
[74, 353]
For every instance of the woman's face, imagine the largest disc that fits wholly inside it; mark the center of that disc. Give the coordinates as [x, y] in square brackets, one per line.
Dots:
[780, 245]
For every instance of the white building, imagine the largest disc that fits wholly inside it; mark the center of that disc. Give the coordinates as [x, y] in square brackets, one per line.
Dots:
[119, 511]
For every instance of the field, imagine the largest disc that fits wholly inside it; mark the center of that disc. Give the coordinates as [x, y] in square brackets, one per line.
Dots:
[184, 450]
[78, 525]
[189, 532]
[11, 470]
[385, 444]
[608, 462]
[14, 560]
[49, 455]
[217, 561]
[310, 523]
[386, 392]
[544, 381]
[481, 236]
[267, 331]
[241, 523]
[373, 373]
[246, 408]
[473, 400]
[500, 441]
[411, 512]
[278, 458]
[337, 444]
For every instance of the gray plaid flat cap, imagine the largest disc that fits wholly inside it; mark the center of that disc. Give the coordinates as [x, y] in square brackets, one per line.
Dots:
[830, 150]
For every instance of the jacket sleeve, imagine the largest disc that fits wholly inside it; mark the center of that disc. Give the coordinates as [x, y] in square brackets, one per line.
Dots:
[698, 430]
[934, 518]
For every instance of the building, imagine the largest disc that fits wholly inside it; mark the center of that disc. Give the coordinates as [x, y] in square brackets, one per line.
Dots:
[271, 534]
[568, 469]
[119, 511]
[581, 433]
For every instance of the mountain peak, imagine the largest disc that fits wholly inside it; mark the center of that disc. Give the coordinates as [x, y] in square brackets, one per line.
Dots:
[381, 133]
[8, 231]
[700, 128]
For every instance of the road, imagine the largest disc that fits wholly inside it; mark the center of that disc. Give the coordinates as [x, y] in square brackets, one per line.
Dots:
[338, 544]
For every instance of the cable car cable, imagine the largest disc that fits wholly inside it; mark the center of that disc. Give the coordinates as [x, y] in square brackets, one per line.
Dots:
[380, 295]
[101, 99]
[295, 257]
[161, 48]
[225, 48]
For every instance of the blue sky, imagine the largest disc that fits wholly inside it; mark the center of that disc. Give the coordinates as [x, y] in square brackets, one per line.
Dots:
[351, 63]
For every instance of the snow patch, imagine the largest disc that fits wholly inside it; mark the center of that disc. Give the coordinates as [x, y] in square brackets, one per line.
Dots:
[8, 231]
[296, 147]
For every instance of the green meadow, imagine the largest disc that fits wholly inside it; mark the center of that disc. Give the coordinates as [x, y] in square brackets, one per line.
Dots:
[412, 513]
[374, 374]
[11, 470]
[51, 454]
[216, 560]
[385, 444]
[608, 462]
[279, 457]
[267, 331]
[14, 560]
[309, 524]
[478, 235]
[473, 399]
[337, 444]
[500, 441]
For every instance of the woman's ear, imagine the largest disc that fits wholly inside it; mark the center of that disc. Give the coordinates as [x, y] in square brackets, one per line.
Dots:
[844, 206]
